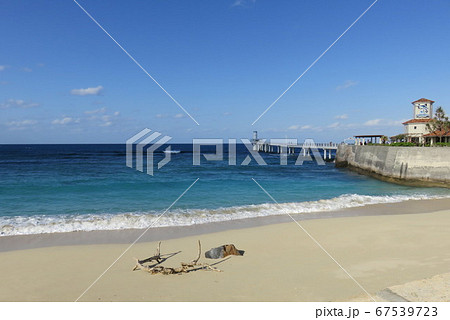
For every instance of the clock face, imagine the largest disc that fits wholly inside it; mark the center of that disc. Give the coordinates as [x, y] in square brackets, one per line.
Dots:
[422, 111]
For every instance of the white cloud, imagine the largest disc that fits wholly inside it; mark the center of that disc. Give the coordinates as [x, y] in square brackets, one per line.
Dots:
[342, 117]
[3, 67]
[334, 125]
[347, 84]
[176, 116]
[100, 114]
[373, 122]
[17, 103]
[40, 65]
[107, 119]
[383, 122]
[238, 3]
[65, 120]
[227, 113]
[27, 69]
[21, 123]
[87, 91]
[298, 127]
[243, 3]
[101, 110]
[338, 126]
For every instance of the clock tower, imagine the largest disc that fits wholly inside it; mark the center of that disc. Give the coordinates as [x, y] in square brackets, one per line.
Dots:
[416, 128]
[423, 109]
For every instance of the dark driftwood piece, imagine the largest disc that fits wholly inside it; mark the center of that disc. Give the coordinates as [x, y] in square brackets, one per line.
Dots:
[156, 257]
[185, 267]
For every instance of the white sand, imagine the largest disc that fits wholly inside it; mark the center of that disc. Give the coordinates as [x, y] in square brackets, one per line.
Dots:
[281, 263]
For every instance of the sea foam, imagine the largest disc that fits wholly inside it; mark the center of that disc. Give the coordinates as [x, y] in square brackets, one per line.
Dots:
[38, 224]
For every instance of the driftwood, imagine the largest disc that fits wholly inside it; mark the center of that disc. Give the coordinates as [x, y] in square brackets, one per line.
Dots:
[156, 257]
[194, 265]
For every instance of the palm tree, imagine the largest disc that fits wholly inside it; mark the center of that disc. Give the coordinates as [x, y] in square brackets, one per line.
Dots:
[440, 124]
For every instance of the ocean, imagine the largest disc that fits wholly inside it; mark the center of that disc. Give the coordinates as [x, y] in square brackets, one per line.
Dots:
[66, 188]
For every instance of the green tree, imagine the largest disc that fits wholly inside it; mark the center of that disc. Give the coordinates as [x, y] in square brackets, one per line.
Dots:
[440, 124]
[399, 138]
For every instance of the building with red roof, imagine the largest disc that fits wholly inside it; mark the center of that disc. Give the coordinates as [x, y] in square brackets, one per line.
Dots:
[437, 136]
[416, 128]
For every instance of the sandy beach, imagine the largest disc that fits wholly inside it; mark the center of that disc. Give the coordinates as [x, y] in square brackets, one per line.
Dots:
[400, 243]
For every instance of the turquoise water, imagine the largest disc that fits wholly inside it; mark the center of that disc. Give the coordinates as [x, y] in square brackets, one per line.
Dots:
[58, 188]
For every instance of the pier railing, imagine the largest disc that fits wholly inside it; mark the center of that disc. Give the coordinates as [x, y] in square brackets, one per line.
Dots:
[329, 145]
[291, 147]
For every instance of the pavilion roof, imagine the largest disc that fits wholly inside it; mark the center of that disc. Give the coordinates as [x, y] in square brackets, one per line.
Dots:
[370, 136]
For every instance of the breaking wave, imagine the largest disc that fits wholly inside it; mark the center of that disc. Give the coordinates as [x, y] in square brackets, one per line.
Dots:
[38, 224]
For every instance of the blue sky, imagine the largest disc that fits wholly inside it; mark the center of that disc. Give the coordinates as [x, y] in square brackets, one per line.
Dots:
[63, 80]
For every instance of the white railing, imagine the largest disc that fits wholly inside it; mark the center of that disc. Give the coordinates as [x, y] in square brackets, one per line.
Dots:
[331, 145]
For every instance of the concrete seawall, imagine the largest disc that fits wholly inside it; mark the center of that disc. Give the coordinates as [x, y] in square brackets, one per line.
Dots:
[419, 166]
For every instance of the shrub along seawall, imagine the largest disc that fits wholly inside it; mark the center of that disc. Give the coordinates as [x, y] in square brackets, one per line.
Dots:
[418, 166]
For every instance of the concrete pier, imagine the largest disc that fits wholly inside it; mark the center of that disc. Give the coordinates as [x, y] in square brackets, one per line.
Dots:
[292, 147]
[417, 166]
